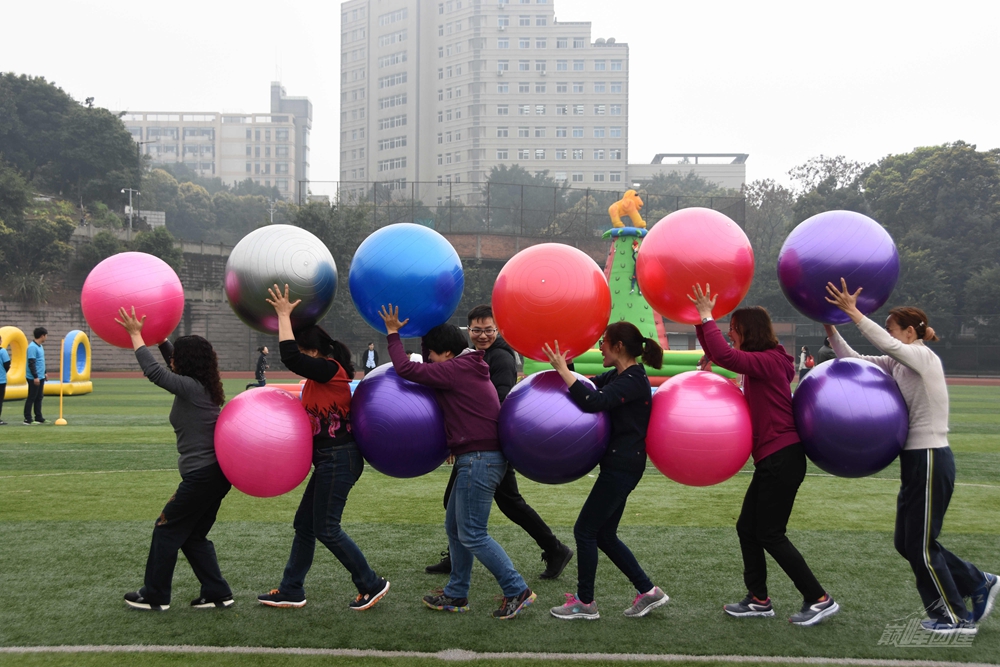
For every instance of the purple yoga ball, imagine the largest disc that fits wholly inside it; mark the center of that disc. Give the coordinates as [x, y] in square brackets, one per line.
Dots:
[851, 417]
[397, 424]
[834, 245]
[545, 437]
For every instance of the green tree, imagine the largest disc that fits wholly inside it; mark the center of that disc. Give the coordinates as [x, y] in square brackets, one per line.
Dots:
[34, 248]
[194, 216]
[90, 254]
[522, 202]
[769, 209]
[160, 192]
[160, 243]
[32, 115]
[837, 172]
[14, 194]
[982, 301]
[99, 157]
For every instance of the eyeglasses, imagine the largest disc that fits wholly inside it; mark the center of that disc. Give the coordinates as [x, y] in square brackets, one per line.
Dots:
[479, 332]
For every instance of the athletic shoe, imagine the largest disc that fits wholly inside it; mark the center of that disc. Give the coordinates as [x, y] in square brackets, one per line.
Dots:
[205, 603]
[442, 602]
[39, 421]
[813, 613]
[511, 607]
[576, 609]
[647, 602]
[984, 596]
[2, 423]
[750, 606]
[442, 567]
[556, 561]
[27, 422]
[136, 601]
[368, 600]
[283, 600]
[945, 628]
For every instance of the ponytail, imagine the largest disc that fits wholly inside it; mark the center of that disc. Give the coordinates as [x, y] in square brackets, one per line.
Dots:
[652, 353]
[634, 343]
[909, 316]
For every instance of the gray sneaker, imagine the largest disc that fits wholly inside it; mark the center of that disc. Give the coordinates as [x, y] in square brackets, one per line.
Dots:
[575, 609]
[812, 614]
[647, 602]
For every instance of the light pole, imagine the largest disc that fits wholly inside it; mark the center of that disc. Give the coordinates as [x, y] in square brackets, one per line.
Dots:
[130, 192]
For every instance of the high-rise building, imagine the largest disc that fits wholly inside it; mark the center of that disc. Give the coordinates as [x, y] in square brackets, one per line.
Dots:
[271, 148]
[440, 92]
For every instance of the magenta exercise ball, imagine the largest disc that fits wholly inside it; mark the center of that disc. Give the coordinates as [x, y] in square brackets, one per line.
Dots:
[545, 436]
[263, 441]
[132, 279]
[699, 433]
[398, 424]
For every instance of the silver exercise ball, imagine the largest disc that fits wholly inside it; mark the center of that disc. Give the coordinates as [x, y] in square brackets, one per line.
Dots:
[280, 254]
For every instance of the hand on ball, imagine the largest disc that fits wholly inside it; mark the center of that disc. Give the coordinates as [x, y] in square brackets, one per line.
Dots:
[132, 324]
[280, 300]
[391, 319]
[843, 299]
[704, 301]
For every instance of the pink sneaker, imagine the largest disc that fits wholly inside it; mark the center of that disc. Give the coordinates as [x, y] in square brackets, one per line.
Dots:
[576, 609]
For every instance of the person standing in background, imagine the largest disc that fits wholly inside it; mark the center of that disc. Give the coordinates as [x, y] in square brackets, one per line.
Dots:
[262, 367]
[371, 358]
[36, 376]
[825, 353]
[4, 367]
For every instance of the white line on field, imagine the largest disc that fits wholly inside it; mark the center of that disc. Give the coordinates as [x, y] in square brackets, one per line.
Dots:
[452, 655]
[86, 472]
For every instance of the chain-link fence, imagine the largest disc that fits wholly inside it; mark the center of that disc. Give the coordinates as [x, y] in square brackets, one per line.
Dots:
[507, 209]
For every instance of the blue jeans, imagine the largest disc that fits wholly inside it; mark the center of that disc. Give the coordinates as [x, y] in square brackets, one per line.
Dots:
[335, 471]
[476, 480]
[597, 527]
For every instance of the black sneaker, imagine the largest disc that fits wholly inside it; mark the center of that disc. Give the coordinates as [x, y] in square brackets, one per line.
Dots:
[205, 603]
[136, 601]
[2, 423]
[278, 599]
[39, 420]
[27, 422]
[813, 613]
[368, 600]
[750, 606]
[946, 628]
[556, 561]
[511, 607]
[441, 602]
[442, 567]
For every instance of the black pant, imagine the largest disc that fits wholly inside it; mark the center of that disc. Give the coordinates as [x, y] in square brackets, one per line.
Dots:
[35, 394]
[515, 508]
[764, 519]
[184, 524]
[3, 392]
[258, 383]
[943, 579]
[597, 528]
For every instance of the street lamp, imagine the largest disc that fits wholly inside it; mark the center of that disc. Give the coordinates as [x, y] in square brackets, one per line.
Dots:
[130, 192]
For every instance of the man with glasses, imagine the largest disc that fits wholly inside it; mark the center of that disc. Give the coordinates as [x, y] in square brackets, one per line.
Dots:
[503, 374]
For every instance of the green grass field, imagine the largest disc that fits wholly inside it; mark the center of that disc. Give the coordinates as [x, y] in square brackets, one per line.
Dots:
[77, 505]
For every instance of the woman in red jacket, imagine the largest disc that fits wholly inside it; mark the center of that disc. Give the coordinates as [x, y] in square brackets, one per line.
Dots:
[779, 462]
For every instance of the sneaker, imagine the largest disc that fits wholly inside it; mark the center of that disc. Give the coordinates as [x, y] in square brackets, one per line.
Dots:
[946, 628]
[39, 420]
[984, 596]
[2, 423]
[556, 561]
[647, 602]
[278, 599]
[750, 606]
[136, 601]
[438, 600]
[27, 422]
[442, 567]
[205, 603]
[511, 607]
[813, 613]
[576, 609]
[368, 600]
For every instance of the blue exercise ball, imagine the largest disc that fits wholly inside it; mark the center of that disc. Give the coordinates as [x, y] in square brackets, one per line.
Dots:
[834, 245]
[398, 425]
[851, 417]
[545, 436]
[409, 266]
[280, 255]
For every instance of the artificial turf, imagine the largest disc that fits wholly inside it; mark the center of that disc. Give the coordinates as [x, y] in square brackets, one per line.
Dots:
[77, 505]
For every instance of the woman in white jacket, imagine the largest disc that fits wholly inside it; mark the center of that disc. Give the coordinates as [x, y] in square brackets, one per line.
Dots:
[927, 466]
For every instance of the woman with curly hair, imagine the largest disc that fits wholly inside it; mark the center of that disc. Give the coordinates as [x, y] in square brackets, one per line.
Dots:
[184, 523]
[337, 463]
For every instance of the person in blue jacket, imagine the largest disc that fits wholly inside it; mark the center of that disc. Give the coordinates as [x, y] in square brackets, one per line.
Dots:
[36, 376]
[4, 367]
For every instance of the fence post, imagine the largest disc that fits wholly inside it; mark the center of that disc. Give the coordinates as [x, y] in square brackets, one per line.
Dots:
[450, 205]
[487, 207]
[413, 201]
[555, 197]
[522, 209]
[586, 208]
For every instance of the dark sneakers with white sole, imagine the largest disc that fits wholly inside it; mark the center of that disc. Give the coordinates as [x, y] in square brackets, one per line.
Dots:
[749, 606]
[814, 612]
[137, 601]
[205, 603]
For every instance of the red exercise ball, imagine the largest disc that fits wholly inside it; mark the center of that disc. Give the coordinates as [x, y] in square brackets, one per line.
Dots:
[699, 432]
[132, 279]
[694, 245]
[551, 292]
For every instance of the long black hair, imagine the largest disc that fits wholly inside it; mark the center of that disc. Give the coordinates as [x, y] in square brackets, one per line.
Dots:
[314, 337]
[635, 344]
[195, 357]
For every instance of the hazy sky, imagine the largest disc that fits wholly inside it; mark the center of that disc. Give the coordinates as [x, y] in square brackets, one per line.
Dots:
[782, 81]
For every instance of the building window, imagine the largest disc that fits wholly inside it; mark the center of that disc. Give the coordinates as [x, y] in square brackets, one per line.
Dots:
[523, 109]
[502, 132]
[502, 66]
[616, 65]
[599, 87]
[562, 65]
[560, 177]
[503, 21]
[577, 65]
[539, 65]
[523, 154]
[615, 177]
[524, 43]
[539, 132]
[503, 43]
[503, 88]
[616, 86]
[578, 86]
[615, 133]
[562, 87]
[577, 109]
[578, 42]
[578, 133]
[523, 21]
[598, 109]
[577, 153]
[440, 138]
[598, 178]
[541, 20]
[599, 154]
[560, 132]
[615, 154]
[539, 109]
[616, 110]
[394, 121]
[502, 154]
[561, 154]
[578, 177]
[562, 109]
[523, 65]
[539, 87]
[524, 87]
[540, 43]
[502, 110]
[599, 65]
[598, 132]
[523, 133]
[539, 153]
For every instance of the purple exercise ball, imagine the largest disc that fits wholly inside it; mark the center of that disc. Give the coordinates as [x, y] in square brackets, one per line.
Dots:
[834, 245]
[851, 417]
[398, 424]
[545, 436]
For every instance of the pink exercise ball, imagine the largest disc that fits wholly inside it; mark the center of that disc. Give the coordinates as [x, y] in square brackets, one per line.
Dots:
[132, 279]
[263, 441]
[699, 432]
[694, 245]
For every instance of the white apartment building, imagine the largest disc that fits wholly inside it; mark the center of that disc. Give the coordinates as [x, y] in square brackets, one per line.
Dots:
[271, 148]
[440, 91]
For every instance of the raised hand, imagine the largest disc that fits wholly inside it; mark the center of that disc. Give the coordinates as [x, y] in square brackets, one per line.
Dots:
[391, 319]
[704, 301]
[132, 324]
[279, 300]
